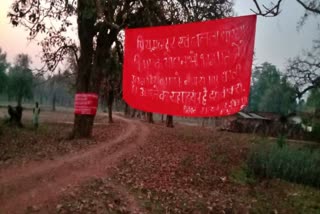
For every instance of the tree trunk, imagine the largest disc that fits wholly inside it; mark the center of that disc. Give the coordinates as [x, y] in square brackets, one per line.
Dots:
[169, 121]
[19, 101]
[126, 110]
[133, 114]
[54, 98]
[83, 123]
[92, 60]
[86, 73]
[110, 113]
[104, 103]
[150, 117]
[317, 113]
[110, 102]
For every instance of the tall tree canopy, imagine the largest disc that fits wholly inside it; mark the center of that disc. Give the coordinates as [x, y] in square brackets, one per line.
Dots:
[279, 98]
[270, 92]
[303, 70]
[20, 79]
[263, 78]
[3, 67]
[314, 98]
[99, 23]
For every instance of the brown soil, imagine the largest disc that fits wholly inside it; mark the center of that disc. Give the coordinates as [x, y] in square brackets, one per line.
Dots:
[134, 167]
[39, 184]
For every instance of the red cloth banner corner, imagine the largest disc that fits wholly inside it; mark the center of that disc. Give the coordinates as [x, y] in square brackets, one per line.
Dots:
[197, 69]
[86, 103]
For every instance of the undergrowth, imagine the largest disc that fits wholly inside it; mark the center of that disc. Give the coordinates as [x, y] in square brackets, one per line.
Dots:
[285, 162]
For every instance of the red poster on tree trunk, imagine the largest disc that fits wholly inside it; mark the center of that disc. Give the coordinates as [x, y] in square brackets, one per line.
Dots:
[86, 104]
[198, 69]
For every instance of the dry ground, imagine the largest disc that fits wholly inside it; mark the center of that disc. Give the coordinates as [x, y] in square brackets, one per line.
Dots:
[134, 167]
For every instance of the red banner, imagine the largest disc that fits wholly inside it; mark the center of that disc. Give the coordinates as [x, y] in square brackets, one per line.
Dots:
[86, 103]
[197, 69]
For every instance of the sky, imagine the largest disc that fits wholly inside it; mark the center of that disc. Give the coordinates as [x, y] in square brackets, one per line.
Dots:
[277, 38]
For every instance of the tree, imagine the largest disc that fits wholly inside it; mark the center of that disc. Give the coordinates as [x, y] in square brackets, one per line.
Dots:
[264, 77]
[304, 70]
[112, 83]
[312, 7]
[54, 90]
[169, 121]
[20, 79]
[313, 100]
[99, 25]
[40, 89]
[3, 67]
[270, 92]
[279, 98]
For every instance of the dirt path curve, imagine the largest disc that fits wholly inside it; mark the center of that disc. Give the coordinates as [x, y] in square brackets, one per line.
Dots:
[39, 183]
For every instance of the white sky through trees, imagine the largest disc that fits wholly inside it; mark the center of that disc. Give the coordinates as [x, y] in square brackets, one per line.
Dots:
[277, 39]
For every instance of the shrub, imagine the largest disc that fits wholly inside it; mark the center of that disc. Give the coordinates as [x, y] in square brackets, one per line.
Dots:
[288, 163]
[315, 134]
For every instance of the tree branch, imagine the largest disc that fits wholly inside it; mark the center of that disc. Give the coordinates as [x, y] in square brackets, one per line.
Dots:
[308, 7]
[271, 11]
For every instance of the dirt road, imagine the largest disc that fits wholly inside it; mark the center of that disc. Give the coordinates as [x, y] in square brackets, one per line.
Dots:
[41, 183]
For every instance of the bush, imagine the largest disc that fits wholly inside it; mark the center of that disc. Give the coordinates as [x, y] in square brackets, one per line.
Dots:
[291, 164]
[315, 134]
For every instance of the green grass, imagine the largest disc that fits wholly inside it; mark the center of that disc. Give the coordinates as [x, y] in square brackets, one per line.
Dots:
[242, 176]
[288, 163]
[285, 197]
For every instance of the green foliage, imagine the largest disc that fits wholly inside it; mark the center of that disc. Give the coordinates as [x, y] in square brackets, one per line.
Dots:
[281, 141]
[280, 98]
[242, 175]
[314, 98]
[288, 163]
[3, 67]
[315, 134]
[54, 90]
[301, 106]
[20, 79]
[283, 197]
[271, 92]
[3, 80]
[262, 77]
[306, 200]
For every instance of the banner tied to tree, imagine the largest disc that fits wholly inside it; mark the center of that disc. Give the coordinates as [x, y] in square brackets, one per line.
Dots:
[86, 104]
[197, 69]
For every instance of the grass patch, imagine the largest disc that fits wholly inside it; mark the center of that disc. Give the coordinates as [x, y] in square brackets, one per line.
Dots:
[217, 156]
[242, 176]
[284, 197]
[306, 199]
[288, 163]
